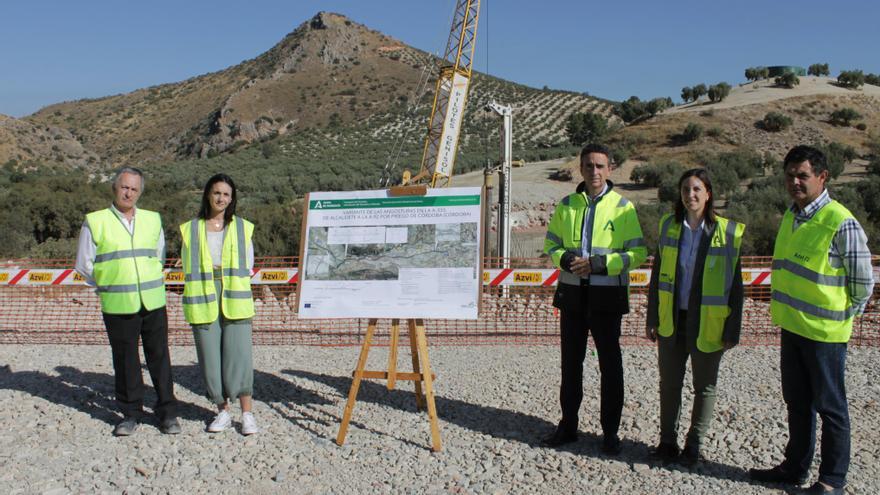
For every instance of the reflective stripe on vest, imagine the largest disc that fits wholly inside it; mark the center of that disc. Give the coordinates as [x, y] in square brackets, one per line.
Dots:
[200, 298]
[809, 295]
[615, 235]
[718, 272]
[128, 274]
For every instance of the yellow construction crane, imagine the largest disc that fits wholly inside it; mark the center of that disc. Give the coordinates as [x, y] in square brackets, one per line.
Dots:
[450, 96]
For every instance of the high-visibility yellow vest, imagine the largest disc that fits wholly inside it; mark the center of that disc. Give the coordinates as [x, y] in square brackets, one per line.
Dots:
[809, 295]
[127, 270]
[616, 234]
[718, 272]
[199, 294]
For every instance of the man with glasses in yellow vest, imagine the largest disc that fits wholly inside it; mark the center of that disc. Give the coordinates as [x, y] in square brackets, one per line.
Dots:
[121, 253]
[822, 278]
[594, 238]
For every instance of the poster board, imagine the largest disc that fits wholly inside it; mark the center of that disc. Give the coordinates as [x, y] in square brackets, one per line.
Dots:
[368, 254]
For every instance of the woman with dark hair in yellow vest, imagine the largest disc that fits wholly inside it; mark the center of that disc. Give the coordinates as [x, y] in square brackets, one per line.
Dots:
[217, 255]
[694, 308]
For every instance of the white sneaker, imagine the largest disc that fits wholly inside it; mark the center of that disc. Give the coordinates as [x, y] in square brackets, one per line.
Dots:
[248, 424]
[221, 422]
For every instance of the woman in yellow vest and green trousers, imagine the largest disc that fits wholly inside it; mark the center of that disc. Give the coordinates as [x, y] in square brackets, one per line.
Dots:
[217, 254]
[694, 308]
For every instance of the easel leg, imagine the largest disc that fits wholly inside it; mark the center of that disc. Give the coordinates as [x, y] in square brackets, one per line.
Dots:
[414, 350]
[392, 354]
[429, 386]
[356, 383]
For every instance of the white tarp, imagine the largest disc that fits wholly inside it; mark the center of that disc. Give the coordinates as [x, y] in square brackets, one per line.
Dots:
[451, 125]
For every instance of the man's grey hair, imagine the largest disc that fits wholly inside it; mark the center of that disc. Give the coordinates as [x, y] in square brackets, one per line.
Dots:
[128, 170]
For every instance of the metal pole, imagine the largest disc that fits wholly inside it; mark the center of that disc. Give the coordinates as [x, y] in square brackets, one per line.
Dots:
[504, 190]
[506, 170]
[487, 211]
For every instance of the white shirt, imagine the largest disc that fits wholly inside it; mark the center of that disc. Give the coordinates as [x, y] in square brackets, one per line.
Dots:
[87, 249]
[215, 247]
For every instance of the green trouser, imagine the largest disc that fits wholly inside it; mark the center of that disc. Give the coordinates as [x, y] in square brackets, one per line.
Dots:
[225, 351]
[672, 356]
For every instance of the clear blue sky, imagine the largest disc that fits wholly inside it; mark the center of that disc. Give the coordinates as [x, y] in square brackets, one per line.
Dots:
[52, 51]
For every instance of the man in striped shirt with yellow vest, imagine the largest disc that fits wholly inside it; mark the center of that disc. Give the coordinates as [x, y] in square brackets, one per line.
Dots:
[594, 237]
[822, 278]
[121, 253]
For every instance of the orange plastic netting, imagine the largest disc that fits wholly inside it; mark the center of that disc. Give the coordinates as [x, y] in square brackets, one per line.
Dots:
[509, 315]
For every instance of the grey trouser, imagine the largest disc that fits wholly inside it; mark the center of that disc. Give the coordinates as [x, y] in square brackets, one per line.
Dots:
[672, 356]
[225, 351]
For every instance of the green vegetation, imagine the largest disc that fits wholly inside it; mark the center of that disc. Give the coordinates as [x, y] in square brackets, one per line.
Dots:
[657, 105]
[775, 122]
[44, 206]
[693, 93]
[48, 207]
[874, 157]
[818, 70]
[845, 116]
[872, 79]
[687, 94]
[718, 92]
[692, 132]
[619, 155]
[654, 175]
[633, 109]
[757, 73]
[788, 80]
[838, 156]
[582, 128]
[852, 79]
[762, 202]
[760, 207]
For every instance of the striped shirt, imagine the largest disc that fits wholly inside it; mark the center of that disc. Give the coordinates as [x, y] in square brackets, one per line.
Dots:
[849, 249]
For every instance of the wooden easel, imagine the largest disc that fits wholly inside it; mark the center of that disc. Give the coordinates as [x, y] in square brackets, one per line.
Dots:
[418, 346]
[421, 373]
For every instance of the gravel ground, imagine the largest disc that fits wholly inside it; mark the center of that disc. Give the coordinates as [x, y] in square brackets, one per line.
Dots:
[494, 404]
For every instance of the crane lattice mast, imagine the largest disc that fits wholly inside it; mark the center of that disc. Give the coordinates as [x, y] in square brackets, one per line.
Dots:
[444, 125]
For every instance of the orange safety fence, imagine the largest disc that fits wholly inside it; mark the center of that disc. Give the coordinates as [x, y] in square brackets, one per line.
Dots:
[46, 302]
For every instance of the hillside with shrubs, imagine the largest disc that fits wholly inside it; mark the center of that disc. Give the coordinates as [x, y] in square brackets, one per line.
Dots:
[739, 132]
[741, 139]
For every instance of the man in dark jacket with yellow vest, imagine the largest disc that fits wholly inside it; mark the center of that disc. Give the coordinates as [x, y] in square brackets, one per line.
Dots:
[822, 278]
[121, 253]
[594, 237]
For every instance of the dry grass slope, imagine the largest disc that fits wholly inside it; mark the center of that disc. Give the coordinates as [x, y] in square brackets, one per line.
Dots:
[330, 73]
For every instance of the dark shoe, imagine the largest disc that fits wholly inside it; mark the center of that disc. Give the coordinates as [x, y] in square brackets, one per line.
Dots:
[690, 455]
[819, 489]
[611, 445]
[169, 426]
[126, 427]
[559, 438]
[777, 475]
[665, 452]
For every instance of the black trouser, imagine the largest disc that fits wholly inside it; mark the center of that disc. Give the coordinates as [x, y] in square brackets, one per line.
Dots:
[605, 327]
[123, 332]
[813, 381]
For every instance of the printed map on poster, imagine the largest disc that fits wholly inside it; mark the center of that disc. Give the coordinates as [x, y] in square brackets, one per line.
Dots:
[368, 255]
